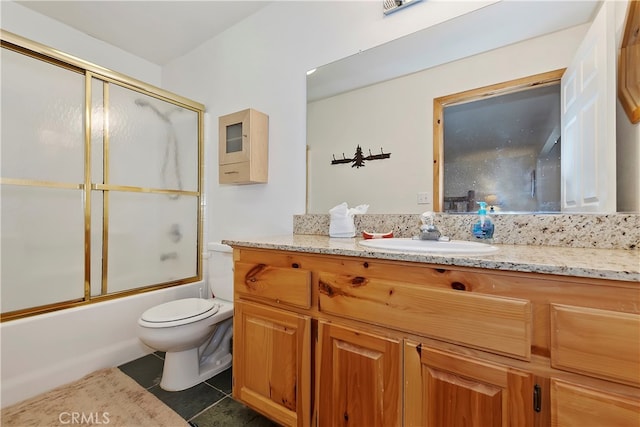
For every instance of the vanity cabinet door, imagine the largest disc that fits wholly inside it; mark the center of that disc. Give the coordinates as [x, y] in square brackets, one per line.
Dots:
[359, 378]
[272, 362]
[577, 405]
[447, 389]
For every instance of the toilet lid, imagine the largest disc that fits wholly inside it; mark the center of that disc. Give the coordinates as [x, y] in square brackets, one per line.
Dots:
[179, 310]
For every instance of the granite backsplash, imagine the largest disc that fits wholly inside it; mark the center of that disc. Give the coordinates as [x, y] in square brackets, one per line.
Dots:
[604, 231]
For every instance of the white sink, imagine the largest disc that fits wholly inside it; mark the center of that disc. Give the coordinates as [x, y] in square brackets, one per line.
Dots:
[452, 247]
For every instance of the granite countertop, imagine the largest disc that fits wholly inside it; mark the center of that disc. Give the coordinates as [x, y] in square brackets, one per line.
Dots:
[614, 264]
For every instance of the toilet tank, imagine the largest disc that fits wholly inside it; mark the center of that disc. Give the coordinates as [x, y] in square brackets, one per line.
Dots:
[220, 270]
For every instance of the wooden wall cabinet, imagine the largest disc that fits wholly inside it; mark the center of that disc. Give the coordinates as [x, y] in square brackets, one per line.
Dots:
[325, 340]
[243, 147]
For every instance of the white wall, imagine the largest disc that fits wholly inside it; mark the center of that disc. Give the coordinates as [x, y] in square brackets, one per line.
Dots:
[262, 63]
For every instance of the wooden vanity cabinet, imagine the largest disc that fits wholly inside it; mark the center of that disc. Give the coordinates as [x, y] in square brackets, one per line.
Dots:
[273, 374]
[332, 340]
[597, 344]
[443, 388]
[272, 345]
[359, 377]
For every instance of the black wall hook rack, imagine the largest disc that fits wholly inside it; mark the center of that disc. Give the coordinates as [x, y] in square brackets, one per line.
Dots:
[359, 158]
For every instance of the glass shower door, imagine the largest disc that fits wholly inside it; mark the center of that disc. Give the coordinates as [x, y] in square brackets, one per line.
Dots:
[151, 188]
[42, 167]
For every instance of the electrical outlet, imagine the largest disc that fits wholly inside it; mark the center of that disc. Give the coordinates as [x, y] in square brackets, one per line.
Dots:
[423, 198]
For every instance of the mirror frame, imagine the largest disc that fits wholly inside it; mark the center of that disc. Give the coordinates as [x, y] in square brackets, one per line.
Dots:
[485, 92]
[628, 85]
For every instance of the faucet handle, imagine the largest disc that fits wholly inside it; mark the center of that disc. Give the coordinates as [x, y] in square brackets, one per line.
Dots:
[427, 218]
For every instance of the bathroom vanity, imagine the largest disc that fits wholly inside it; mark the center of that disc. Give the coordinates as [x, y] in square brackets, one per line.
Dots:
[327, 332]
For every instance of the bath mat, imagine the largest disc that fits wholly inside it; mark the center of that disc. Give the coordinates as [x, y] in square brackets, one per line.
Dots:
[106, 397]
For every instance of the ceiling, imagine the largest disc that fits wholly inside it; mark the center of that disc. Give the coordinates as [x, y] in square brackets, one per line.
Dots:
[158, 31]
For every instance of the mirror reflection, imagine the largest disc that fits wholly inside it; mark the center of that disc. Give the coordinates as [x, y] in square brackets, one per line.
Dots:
[396, 113]
[505, 151]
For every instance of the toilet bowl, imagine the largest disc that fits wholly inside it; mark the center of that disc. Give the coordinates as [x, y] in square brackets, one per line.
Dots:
[194, 333]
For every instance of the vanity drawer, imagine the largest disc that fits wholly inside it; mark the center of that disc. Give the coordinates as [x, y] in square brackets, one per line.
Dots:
[600, 343]
[497, 324]
[577, 405]
[281, 285]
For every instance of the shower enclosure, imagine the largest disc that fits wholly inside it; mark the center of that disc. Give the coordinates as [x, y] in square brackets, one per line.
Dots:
[101, 183]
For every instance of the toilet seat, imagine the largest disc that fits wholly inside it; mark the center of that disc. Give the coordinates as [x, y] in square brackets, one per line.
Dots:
[179, 312]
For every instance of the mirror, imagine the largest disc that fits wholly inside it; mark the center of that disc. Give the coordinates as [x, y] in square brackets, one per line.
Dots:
[500, 145]
[344, 111]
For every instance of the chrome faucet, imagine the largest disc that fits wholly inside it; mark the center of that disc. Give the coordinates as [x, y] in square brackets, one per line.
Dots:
[428, 230]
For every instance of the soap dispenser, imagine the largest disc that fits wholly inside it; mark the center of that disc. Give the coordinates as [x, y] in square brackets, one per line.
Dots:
[483, 229]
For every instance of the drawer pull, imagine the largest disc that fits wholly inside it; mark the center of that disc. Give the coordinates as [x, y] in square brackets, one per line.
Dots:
[458, 286]
[537, 398]
[295, 265]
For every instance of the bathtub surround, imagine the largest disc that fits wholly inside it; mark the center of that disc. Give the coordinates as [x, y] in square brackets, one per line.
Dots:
[598, 231]
[45, 351]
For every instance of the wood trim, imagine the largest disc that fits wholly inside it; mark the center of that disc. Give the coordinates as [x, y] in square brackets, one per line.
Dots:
[485, 92]
[629, 64]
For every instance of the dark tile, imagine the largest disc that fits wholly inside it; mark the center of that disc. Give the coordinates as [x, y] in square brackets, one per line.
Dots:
[191, 401]
[222, 381]
[229, 413]
[147, 370]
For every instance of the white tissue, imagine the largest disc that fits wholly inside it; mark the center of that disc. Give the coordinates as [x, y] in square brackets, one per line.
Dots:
[341, 220]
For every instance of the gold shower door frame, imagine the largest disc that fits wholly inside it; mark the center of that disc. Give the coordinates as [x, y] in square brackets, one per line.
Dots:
[108, 78]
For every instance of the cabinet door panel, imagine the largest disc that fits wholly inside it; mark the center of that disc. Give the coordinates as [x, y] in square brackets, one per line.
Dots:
[233, 137]
[273, 373]
[359, 378]
[448, 389]
[579, 406]
[453, 400]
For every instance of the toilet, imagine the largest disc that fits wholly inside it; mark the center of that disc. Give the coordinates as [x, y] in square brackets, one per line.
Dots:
[195, 333]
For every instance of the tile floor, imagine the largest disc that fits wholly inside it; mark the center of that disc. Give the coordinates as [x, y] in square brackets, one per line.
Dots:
[208, 404]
